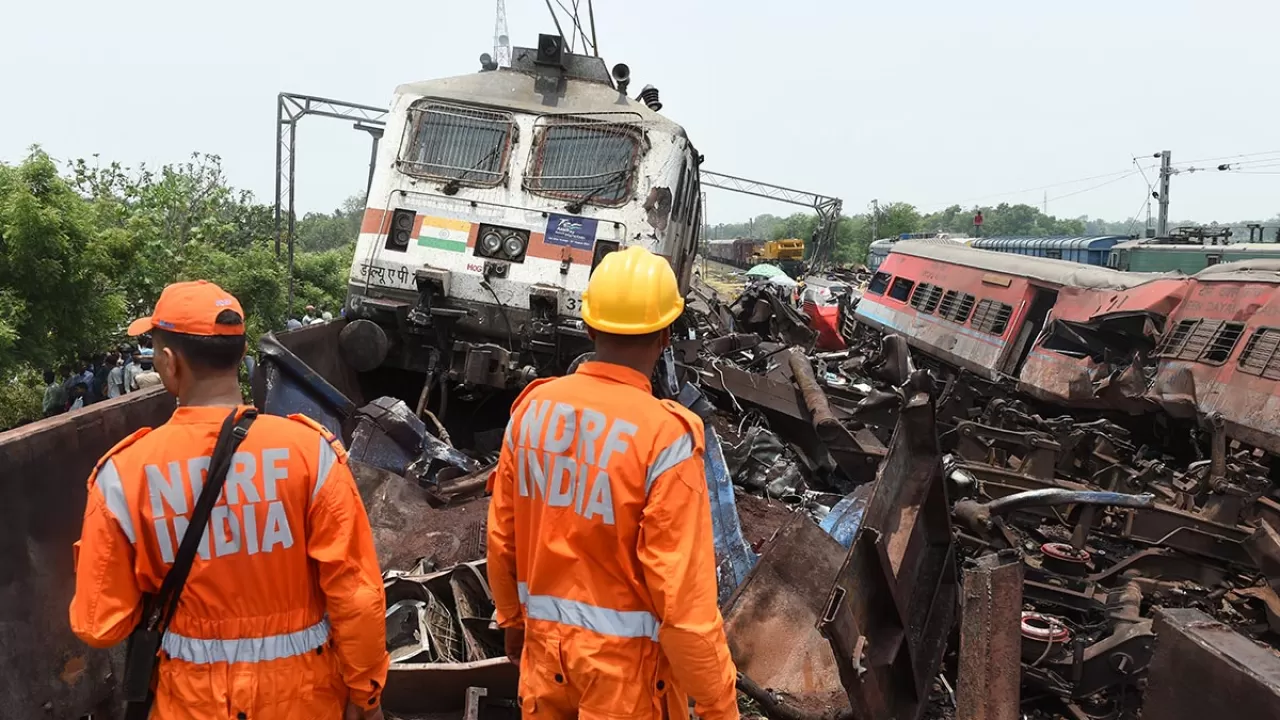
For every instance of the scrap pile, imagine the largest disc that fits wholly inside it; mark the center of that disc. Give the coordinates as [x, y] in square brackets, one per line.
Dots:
[1060, 548]
[888, 546]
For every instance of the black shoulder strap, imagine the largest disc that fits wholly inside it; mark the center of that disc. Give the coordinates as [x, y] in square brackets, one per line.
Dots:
[166, 601]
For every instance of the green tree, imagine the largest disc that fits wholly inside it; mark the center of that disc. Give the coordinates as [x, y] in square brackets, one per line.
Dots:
[56, 298]
[321, 232]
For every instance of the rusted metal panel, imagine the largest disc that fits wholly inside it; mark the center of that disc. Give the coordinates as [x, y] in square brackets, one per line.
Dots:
[890, 610]
[407, 527]
[45, 671]
[963, 347]
[1195, 653]
[771, 620]
[990, 672]
[1159, 296]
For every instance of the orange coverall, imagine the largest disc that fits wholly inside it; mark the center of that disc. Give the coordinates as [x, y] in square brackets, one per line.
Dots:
[600, 547]
[283, 615]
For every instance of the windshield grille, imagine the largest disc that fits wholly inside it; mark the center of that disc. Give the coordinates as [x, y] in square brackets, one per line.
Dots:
[452, 142]
[588, 160]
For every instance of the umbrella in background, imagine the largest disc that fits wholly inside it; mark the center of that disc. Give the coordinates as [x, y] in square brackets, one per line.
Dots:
[765, 271]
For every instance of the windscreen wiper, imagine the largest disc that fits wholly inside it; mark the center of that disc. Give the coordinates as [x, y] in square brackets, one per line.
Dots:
[576, 206]
[452, 187]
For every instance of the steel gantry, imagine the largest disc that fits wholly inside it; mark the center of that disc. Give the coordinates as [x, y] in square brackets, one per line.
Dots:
[290, 108]
[823, 243]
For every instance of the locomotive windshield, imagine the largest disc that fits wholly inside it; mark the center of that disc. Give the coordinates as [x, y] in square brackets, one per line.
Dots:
[451, 142]
[591, 161]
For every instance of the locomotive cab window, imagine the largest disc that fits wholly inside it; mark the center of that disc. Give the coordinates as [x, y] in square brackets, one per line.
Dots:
[879, 282]
[901, 289]
[456, 143]
[590, 161]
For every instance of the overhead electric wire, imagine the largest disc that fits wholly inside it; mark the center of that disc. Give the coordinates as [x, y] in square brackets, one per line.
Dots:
[1130, 174]
[1146, 200]
[1121, 173]
[1228, 157]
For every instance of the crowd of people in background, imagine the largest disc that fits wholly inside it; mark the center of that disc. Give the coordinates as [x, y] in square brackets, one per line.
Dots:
[97, 378]
[124, 370]
[310, 318]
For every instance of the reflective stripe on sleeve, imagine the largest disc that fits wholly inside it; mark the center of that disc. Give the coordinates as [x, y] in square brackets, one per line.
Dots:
[245, 650]
[328, 458]
[606, 621]
[671, 456]
[522, 589]
[108, 482]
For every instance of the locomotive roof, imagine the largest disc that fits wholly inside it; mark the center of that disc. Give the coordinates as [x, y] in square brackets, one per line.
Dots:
[510, 89]
[1264, 270]
[1057, 272]
[1200, 247]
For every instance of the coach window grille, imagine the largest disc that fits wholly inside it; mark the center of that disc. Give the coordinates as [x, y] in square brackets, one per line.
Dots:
[466, 145]
[956, 306]
[991, 316]
[1174, 340]
[926, 297]
[1259, 356]
[1221, 343]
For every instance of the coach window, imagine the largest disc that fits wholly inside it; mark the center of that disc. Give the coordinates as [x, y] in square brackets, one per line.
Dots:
[1204, 341]
[956, 306]
[991, 316]
[1053, 254]
[1260, 356]
[926, 297]
[1212, 259]
[878, 283]
[901, 289]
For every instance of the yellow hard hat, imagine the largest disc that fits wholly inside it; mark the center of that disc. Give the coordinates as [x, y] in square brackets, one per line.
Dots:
[632, 292]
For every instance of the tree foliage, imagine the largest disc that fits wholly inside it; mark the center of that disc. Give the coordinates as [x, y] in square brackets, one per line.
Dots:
[82, 252]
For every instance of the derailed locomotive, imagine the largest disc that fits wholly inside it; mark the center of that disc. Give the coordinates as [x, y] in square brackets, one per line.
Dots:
[496, 198]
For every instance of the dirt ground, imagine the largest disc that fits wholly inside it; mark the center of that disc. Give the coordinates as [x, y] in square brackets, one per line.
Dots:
[760, 518]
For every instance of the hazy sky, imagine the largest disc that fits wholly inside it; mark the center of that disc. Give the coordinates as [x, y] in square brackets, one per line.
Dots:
[926, 101]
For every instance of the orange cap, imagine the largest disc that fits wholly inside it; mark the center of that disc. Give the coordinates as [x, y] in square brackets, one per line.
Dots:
[191, 308]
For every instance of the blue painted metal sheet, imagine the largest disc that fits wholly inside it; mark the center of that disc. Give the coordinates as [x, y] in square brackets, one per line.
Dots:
[1088, 250]
[734, 557]
[845, 518]
[291, 386]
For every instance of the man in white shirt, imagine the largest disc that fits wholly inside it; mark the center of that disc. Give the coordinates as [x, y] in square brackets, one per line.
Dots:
[115, 378]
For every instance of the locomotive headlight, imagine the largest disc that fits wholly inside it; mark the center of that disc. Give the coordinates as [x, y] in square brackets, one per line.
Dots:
[490, 242]
[513, 246]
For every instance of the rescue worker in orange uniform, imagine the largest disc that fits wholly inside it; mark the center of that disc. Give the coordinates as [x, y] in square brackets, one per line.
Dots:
[601, 557]
[282, 616]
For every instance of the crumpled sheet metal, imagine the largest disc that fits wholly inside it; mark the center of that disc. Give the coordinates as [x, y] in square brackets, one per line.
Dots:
[440, 686]
[1158, 297]
[759, 462]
